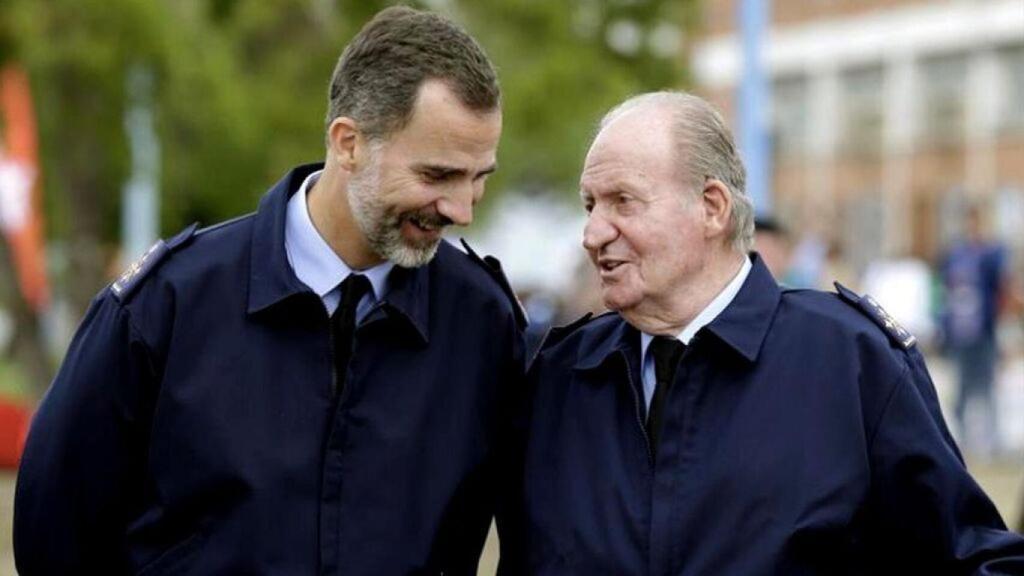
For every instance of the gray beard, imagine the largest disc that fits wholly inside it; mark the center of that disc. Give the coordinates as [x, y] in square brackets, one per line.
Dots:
[382, 228]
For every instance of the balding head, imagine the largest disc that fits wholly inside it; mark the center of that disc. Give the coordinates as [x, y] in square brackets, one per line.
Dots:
[702, 146]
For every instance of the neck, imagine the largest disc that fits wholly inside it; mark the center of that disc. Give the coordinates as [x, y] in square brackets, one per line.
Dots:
[669, 314]
[327, 201]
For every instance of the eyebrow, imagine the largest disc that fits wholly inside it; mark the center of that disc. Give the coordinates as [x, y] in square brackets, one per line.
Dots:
[444, 171]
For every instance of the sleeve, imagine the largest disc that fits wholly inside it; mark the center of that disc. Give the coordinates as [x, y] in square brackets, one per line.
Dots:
[489, 501]
[82, 468]
[510, 519]
[930, 516]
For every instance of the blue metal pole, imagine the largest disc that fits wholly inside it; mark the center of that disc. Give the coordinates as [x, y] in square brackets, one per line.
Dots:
[755, 103]
[140, 213]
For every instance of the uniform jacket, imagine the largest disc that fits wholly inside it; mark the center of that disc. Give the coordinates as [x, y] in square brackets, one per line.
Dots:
[193, 427]
[802, 436]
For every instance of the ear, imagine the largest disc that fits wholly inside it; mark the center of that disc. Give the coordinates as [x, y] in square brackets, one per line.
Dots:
[344, 138]
[717, 206]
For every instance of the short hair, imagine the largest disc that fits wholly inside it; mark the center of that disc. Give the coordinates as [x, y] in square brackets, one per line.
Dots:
[379, 74]
[705, 149]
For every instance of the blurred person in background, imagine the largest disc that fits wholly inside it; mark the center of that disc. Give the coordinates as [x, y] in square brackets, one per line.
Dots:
[773, 243]
[311, 389]
[713, 423]
[583, 295]
[807, 261]
[975, 280]
[541, 308]
[836, 268]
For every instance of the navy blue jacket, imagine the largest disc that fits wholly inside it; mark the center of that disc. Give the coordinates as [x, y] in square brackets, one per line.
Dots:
[193, 429]
[802, 436]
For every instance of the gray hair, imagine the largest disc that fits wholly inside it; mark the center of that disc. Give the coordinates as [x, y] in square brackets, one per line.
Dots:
[705, 149]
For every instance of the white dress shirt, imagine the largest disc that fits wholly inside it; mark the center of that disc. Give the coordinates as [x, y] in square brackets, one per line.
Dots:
[709, 313]
[317, 265]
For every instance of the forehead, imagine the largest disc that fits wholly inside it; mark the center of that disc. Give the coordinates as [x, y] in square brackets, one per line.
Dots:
[442, 126]
[635, 149]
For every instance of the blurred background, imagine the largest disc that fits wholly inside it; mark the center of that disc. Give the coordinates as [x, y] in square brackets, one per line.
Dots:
[884, 141]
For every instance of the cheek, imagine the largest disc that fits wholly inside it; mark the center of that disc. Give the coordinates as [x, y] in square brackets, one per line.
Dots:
[406, 196]
[663, 255]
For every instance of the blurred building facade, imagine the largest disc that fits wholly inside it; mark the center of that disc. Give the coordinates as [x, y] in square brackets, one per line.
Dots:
[887, 116]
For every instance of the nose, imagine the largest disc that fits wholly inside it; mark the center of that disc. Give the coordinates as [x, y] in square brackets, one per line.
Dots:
[458, 206]
[598, 232]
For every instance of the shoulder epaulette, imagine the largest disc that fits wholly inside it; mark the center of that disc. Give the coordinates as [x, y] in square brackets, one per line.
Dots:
[558, 333]
[872, 309]
[223, 224]
[130, 279]
[493, 268]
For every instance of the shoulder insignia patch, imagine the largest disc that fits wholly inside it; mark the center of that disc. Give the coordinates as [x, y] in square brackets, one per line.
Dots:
[493, 268]
[129, 280]
[874, 310]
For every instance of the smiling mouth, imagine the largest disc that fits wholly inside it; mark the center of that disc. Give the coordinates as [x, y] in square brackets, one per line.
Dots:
[427, 225]
[609, 265]
[431, 228]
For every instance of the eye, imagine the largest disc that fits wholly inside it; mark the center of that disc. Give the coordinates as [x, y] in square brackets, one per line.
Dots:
[588, 205]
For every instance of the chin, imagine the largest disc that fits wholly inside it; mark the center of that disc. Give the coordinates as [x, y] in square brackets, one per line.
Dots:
[407, 255]
[619, 300]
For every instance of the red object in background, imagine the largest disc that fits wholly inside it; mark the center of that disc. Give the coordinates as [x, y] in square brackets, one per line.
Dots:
[14, 422]
[20, 215]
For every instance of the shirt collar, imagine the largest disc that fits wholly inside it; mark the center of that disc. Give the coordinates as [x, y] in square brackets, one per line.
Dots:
[314, 261]
[718, 304]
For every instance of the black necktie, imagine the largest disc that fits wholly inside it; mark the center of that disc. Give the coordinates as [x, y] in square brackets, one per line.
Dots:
[666, 352]
[343, 326]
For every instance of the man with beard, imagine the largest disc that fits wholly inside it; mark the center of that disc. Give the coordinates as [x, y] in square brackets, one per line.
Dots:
[715, 423]
[313, 388]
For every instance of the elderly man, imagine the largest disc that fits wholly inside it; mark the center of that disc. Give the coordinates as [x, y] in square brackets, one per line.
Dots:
[311, 389]
[716, 424]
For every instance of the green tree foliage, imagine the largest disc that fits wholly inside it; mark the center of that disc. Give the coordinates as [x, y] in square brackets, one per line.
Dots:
[560, 71]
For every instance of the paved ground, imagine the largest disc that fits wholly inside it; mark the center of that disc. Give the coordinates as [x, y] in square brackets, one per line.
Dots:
[1001, 478]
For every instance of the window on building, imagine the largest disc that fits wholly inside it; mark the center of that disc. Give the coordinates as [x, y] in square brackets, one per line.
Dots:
[1011, 69]
[789, 116]
[863, 115]
[944, 90]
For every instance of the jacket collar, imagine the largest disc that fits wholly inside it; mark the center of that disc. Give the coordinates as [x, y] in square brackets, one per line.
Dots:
[272, 280]
[599, 347]
[742, 326]
[409, 297]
